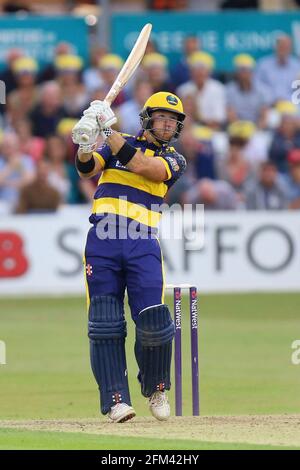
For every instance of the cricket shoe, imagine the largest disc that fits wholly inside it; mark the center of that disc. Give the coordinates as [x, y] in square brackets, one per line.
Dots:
[121, 412]
[159, 406]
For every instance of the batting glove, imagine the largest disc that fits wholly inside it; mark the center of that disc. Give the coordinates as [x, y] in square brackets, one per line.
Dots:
[105, 115]
[86, 132]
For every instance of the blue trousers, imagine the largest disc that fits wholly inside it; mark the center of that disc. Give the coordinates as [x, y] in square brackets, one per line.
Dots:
[113, 265]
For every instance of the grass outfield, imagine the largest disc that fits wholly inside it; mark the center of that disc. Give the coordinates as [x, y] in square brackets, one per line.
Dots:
[20, 439]
[245, 360]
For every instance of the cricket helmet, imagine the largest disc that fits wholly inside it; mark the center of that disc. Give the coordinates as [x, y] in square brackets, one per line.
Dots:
[166, 102]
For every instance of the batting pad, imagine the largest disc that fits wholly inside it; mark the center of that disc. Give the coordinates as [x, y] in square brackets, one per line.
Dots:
[107, 333]
[153, 348]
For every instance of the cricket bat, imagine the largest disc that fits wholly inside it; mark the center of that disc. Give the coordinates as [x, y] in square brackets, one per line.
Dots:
[130, 66]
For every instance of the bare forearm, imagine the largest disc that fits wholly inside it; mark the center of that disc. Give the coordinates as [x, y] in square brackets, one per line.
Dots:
[141, 164]
[116, 142]
[84, 158]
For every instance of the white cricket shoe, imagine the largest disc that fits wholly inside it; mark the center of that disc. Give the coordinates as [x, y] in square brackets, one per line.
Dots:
[120, 413]
[159, 406]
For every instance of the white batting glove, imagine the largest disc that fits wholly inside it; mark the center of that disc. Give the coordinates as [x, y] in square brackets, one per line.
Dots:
[105, 115]
[86, 132]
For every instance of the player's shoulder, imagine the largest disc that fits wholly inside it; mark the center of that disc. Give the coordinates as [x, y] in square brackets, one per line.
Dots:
[173, 153]
[175, 160]
[128, 137]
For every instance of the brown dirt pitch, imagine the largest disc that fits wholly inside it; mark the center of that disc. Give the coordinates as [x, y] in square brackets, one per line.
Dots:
[276, 430]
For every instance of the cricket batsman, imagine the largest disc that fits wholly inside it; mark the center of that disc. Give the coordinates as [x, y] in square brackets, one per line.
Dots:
[122, 250]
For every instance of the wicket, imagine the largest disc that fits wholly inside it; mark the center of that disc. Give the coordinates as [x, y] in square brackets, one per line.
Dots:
[193, 301]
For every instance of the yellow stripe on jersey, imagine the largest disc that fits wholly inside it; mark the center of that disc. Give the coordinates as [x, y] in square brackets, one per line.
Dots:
[126, 209]
[167, 168]
[163, 273]
[149, 153]
[134, 181]
[100, 158]
[88, 301]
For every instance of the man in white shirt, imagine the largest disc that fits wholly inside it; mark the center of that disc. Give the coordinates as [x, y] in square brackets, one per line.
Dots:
[209, 93]
[279, 70]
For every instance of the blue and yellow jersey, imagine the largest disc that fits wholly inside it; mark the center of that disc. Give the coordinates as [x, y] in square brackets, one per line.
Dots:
[124, 193]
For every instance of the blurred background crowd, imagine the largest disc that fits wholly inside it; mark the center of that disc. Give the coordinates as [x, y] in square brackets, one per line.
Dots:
[241, 136]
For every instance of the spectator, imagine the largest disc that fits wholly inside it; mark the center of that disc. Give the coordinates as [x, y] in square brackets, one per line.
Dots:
[209, 94]
[29, 144]
[204, 158]
[82, 189]
[62, 175]
[22, 100]
[109, 66]
[8, 75]
[190, 109]
[256, 142]
[75, 97]
[128, 112]
[155, 67]
[246, 100]
[16, 170]
[181, 71]
[215, 195]
[278, 71]
[49, 72]
[49, 110]
[39, 196]
[91, 76]
[235, 169]
[64, 130]
[292, 179]
[267, 193]
[286, 137]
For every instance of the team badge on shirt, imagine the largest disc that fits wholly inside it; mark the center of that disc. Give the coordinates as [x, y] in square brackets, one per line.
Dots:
[173, 163]
[89, 269]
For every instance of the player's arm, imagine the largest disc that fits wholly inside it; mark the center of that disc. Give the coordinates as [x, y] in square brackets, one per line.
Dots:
[154, 169]
[85, 133]
[135, 160]
[87, 165]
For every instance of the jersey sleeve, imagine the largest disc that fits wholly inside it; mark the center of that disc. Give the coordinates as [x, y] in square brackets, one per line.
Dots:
[175, 164]
[103, 154]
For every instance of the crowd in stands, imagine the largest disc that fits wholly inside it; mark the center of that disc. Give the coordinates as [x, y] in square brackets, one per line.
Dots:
[241, 136]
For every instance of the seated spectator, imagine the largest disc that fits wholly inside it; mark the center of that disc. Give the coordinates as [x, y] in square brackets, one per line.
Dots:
[22, 100]
[49, 72]
[190, 109]
[215, 195]
[74, 94]
[29, 144]
[91, 76]
[235, 169]
[267, 193]
[196, 145]
[208, 93]
[38, 196]
[246, 100]
[155, 67]
[286, 137]
[7, 75]
[16, 170]
[203, 158]
[64, 130]
[62, 175]
[291, 181]
[181, 71]
[128, 112]
[49, 110]
[109, 67]
[278, 71]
